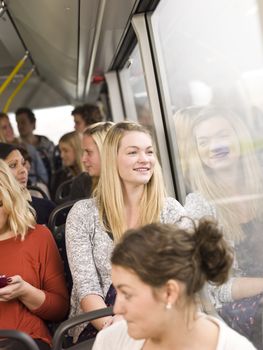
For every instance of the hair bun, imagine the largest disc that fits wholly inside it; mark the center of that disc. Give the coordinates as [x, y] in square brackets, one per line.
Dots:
[214, 254]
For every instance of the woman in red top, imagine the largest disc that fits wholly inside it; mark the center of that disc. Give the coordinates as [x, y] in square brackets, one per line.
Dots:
[36, 291]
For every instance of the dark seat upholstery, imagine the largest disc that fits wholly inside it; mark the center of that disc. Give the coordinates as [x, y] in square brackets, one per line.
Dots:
[56, 224]
[63, 192]
[38, 190]
[74, 321]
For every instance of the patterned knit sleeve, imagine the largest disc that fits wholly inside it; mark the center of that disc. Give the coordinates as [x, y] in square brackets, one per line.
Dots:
[197, 206]
[80, 228]
[173, 211]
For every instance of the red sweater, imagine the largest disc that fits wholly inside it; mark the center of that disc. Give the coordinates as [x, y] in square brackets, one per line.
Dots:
[37, 261]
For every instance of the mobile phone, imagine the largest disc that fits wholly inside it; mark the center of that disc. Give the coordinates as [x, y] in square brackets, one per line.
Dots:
[3, 281]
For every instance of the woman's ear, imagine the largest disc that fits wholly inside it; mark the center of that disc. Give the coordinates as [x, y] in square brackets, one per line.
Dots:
[172, 292]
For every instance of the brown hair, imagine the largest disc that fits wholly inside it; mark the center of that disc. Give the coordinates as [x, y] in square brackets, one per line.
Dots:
[160, 252]
[89, 113]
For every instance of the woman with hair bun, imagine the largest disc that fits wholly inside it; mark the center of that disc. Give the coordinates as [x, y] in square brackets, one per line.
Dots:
[157, 271]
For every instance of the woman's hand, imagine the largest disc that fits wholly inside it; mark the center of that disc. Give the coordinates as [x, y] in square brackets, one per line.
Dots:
[112, 320]
[15, 288]
[27, 294]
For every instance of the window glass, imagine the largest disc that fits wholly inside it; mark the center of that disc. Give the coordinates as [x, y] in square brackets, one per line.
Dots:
[51, 122]
[210, 62]
[136, 95]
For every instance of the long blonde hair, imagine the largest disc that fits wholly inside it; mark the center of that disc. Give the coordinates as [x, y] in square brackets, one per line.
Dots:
[20, 214]
[73, 140]
[212, 187]
[98, 132]
[110, 199]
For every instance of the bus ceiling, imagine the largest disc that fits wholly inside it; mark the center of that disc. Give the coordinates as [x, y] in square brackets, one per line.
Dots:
[71, 44]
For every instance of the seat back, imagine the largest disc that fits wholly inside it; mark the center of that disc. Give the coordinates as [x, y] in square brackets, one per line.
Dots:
[37, 192]
[21, 337]
[74, 321]
[56, 224]
[63, 192]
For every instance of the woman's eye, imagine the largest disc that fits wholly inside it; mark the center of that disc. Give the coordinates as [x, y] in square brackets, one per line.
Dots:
[202, 144]
[223, 136]
[132, 152]
[127, 296]
[12, 165]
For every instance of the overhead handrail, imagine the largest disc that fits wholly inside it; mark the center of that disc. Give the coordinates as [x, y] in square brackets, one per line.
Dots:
[13, 73]
[17, 89]
[3, 8]
[94, 46]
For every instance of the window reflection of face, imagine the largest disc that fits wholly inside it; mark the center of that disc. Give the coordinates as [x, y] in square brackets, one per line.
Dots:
[217, 143]
[17, 164]
[136, 158]
[142, 309]
[91, 156]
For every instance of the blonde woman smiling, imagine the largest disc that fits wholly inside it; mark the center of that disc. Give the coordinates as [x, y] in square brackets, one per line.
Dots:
[130, 193]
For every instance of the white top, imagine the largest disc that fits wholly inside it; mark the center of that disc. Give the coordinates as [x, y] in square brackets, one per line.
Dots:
[116, 337]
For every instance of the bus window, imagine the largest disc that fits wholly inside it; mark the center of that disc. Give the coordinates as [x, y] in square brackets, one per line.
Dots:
[210, 58]
[134, 89]
[51, 122]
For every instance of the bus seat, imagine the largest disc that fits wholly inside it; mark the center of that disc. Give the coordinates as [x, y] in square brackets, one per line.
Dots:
[56, 224]
[37, 192]
[74, 321]
[24, 341]
[63, 192]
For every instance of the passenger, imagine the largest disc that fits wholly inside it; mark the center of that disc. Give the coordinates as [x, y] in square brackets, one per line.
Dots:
[38, 171]
[12, 155]
[225, 177]
[157, 271]
[28, 164]
[26, 123]
[130, 193]
[70, 150]
[92, 141]
[34, 290]
[86, 115]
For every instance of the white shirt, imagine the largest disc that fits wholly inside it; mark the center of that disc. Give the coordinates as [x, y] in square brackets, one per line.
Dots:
[116, 337]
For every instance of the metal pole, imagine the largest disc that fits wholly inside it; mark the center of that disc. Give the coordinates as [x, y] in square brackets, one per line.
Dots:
[17, 89]
[13, 73]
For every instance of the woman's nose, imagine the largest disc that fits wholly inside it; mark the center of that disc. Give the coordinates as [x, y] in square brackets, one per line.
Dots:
[22, 169]
[143, 157]
[84, 157]
[218, 148]
[118, 308]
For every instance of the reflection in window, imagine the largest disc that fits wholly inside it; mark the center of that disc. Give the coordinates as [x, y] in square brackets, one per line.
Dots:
[211, 61]
[138, 88]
